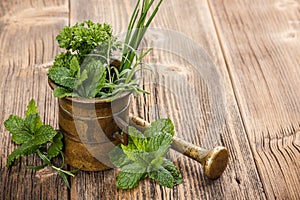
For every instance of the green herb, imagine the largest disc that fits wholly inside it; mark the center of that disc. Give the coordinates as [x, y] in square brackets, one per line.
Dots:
[86, 68]
[35, 137]
[144, 156]
[136, 30]
[87, 38]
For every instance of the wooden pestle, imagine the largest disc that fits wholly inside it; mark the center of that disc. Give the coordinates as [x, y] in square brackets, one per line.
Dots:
[214, 161]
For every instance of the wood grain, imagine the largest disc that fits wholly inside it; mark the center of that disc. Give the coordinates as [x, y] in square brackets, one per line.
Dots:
[260, 40]
[27, 33]
[179, 91]
[226, 72]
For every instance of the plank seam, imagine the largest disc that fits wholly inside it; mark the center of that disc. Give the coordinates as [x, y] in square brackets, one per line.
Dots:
[234, 89]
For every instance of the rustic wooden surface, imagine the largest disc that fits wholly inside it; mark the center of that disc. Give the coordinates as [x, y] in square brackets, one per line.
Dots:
[255, 112]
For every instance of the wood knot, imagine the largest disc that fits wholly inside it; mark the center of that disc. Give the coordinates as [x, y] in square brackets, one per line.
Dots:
[45, 173]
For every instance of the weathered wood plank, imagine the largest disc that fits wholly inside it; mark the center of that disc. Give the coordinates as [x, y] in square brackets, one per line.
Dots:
[260, 40]
[27, 40]
[179, 91]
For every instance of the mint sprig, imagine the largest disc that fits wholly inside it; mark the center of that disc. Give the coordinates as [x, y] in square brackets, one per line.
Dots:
[36, 138]
[144, 156]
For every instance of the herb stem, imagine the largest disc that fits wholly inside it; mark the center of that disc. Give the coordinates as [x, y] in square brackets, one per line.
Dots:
[141, 26]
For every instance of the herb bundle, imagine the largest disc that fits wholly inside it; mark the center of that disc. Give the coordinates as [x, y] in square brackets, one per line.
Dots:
[36, 138]
[144, 156]
[87, 68]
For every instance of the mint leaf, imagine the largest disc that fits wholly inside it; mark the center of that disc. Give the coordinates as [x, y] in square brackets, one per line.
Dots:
[155, 163]
[138, 156]
[163, 177]
[144, 156]
[161, 125]
[33, 120]
[24, 150]
[118, 158]
[44, 134]
[160, 141]
[168, 165]
[138, 139]
[61, 76]
[61, 92]
[32, 123]
[31, 108]
[127, 180]
[34, 137]
[56, 146]
[14, 125]
[133, 168]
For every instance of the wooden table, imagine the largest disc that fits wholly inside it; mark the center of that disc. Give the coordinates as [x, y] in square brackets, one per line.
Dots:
[255, 113]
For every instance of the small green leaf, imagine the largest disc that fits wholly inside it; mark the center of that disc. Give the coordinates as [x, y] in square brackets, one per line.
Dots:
[128, 180]
[36, 167]
[62, 77]
[161, 125]
[14, 124]
[138, 156]
[139, 140]
[33, 123]
[118, 158]
[133, 168]
[168, 165]
[159, 141]
[43, 135]
[130, 146]
[31, 108]
[155, 163]
[24, 150]
[61, 92]
[56, 146]
[74, 67]
[32, 111]
[65, 178]
[163, 177]
[96, 73]
[44, 157]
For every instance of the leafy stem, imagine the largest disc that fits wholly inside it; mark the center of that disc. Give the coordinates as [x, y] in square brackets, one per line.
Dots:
[144, 156]
[34, 137]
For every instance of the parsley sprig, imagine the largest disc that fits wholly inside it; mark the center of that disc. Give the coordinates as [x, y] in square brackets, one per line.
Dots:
[144, 156]
[36, 138]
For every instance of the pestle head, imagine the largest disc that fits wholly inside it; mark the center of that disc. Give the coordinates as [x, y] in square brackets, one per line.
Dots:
[216, 162]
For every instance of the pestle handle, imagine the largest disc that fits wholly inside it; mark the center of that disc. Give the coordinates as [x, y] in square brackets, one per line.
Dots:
[214, 161]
